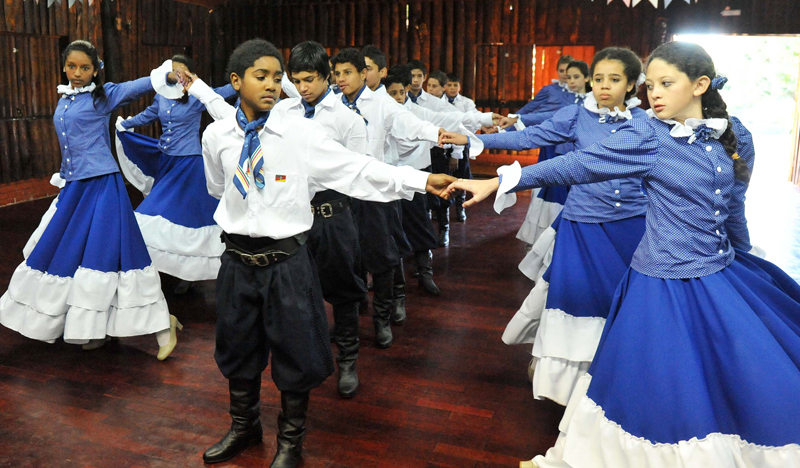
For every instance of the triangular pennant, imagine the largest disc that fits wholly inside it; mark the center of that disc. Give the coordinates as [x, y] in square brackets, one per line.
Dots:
[654, 2]
[688, 1]
[666, 3]
[51, 2]
[636, 2]
[627, 3]
[609, 2]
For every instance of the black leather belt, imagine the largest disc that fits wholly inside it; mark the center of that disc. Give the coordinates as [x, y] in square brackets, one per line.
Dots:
[273, 251]
[331, 208]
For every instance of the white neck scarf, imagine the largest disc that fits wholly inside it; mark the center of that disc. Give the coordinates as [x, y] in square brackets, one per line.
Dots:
[69, 90]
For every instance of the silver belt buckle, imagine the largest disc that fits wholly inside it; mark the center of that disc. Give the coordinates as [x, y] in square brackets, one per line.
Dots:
[322, 210]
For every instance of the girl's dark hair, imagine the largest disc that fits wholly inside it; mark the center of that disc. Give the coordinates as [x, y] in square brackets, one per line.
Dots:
[375, 54]
[87, 48]
[351, 56]
[694, 61]
[564, 59]
[190, 65]
[631, 65]
[246, 54]
[309, 56]
[584, 68]
[397, 74]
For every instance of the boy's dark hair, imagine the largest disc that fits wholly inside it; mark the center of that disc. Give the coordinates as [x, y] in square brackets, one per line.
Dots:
[375, 54]
[584, 68]
[439, 76]
[190, 65]
[397, 74]
[87, 48]
[184, 60]
[352, 56]
[630, 63]
[246, 54]
[417, 65]
[564, 59]
[695, 62]
[453, 78]
[309, 56]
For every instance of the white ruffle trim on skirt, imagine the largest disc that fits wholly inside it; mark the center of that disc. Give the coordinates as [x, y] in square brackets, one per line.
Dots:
[133, 174]
[37, 234]
[540, 217]
[538, 259]
[191, 254]
[91, 305]
[593, 441]
[525, 323]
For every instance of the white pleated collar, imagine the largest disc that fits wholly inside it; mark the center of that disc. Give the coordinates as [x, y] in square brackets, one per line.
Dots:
[687, 129]
[590, 103]
[69, 90]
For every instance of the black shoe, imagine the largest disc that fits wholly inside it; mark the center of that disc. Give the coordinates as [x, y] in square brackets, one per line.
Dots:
[291, 429]
[382, 305]
[425, 262]
[399, 296]
[461, 213]
[444, 236]
[245, 428]
[346, 318]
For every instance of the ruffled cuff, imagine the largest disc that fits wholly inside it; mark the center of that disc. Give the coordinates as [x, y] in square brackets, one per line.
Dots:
[57, 181]
[158, 78]
[758, 252]
[475, 145]
[458, 152]
[509, 178]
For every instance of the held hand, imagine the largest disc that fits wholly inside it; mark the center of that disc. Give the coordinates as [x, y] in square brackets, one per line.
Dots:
[496, 118]
[186, 79]
[488, 130]
[506, 122]
[452, 165]
[438, 185]
[453, 138]
[118, 124]
[172, 77]
[480, 189]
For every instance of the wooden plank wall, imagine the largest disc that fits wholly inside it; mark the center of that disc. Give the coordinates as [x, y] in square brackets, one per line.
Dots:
[31, 39]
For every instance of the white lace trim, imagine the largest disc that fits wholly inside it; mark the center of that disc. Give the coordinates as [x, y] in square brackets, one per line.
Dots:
[158, 78]
[538, 259]
[37, 234]
[592, 440]
[566, 336]
[555, 378]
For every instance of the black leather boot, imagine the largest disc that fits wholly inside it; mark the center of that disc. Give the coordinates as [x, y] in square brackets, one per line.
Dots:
[425, 262]
[291, 429]
[461, 213]
[245, 428]
[399, 311]
[346, 339]
[383, 304]
[443, 218]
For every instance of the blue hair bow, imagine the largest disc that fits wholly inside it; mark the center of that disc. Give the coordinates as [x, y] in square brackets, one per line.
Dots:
[718, 82]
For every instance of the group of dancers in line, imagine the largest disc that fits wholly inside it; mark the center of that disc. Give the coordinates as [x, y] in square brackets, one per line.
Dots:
[668, 341]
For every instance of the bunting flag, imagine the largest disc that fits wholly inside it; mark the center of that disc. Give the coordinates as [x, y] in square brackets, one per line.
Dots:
[666, 3]
[628, 3]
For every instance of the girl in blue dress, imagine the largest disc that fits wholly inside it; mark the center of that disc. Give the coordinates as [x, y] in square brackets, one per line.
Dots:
[87, 275]
[699, 362]
[600, 227]
[176, 217]
[548, 202]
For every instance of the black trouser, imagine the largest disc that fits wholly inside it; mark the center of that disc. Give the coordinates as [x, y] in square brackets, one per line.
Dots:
[417, 225]
[276, 308]
[440, 164]
[381, 236]
[334, 244]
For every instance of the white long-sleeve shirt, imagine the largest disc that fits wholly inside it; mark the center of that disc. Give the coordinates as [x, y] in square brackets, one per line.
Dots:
[299, 161]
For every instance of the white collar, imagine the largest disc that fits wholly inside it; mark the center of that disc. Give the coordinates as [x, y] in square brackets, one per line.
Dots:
[69, 90]
[590, 103]
[579, 96]
[687, 128]
[563, 86]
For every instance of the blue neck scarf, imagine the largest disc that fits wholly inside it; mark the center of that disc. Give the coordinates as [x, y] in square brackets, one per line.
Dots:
[310, 110]
[352, 105]
[412, 97]
[251, 153]
[451, 99]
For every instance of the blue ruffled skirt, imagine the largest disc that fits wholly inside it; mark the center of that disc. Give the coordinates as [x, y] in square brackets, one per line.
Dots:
[544, 207]
[177, 215]
[87, 273]
[565, 312]
[698, 372]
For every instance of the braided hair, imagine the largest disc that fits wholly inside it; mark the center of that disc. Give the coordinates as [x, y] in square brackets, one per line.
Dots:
[87, 48]
[695, 62]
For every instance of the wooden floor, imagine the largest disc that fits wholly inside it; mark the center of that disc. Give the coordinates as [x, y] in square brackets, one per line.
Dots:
[447, 393]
